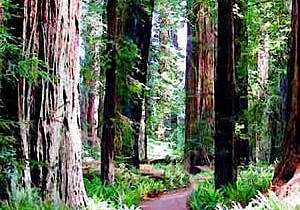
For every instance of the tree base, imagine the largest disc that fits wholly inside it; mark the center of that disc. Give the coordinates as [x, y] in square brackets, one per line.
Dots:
[287, 178]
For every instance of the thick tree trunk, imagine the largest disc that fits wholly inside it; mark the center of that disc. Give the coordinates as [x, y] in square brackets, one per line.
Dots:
[287, 170]
[190, 80]
[225, 170]
[109, 113]
[206, 65]
[200, 85]
[48, 107]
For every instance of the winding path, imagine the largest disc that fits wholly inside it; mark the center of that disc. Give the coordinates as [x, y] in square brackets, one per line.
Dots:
[169, 201]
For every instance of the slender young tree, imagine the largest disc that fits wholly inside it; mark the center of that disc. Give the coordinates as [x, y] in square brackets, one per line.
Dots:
[290, 163]
[109, 112]
[225, 171]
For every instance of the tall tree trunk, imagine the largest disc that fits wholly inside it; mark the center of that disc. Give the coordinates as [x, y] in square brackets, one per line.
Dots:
[92, 95]
[263, 144]
[290, 164]
[109, 113]
[191, 79]
[48, 107]
[225, 170]
[199, 87]
[206, 64]
[138, 28]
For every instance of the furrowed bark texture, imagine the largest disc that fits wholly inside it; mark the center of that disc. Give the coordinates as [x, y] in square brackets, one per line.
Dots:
[206, 65]
[225, 171]
[200, 85]
[49, 111]
[289, 167]
[191, 105]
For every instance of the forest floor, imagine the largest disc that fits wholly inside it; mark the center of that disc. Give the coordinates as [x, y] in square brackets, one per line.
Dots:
[176, 200]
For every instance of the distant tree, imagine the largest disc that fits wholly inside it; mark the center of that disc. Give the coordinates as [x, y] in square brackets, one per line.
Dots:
[92, 72]
[225, 171]
[290, 163]
[109, 112]
[199, 85]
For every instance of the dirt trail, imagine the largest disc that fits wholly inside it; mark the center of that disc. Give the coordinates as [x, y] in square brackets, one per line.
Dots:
[169, 201]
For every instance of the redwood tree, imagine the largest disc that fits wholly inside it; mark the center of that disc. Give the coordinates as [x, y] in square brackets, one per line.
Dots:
[225, 171]
[109, 112]
[47, 98]
[199, 85]
[290, 163]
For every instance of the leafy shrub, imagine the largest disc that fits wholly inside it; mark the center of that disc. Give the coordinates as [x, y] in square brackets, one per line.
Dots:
[206, 197]
[130, 187]
[8, 161]
[268, 202]
[251, 179]
[28, 199]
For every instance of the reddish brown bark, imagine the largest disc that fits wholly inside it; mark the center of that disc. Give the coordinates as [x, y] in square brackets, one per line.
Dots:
[191, 99]
[199, 85]
[206, 65]
[290, 164]
[91, 109]
[48, 108]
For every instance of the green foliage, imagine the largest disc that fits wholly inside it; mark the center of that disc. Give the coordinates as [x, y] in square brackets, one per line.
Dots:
[130, 187]
[8, 161]
[202, 137]
[205, 197]
[165, 93]
[267, 202]
[29, 199]
[127, 59]
[30, 70]
[251, 179]
[273, 20]
[91, 151]
[94, 61]
[124, 135]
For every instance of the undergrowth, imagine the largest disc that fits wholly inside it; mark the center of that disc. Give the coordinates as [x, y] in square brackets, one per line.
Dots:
[268, 202]
[130, 187]
[251, 180]
[28, 199]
